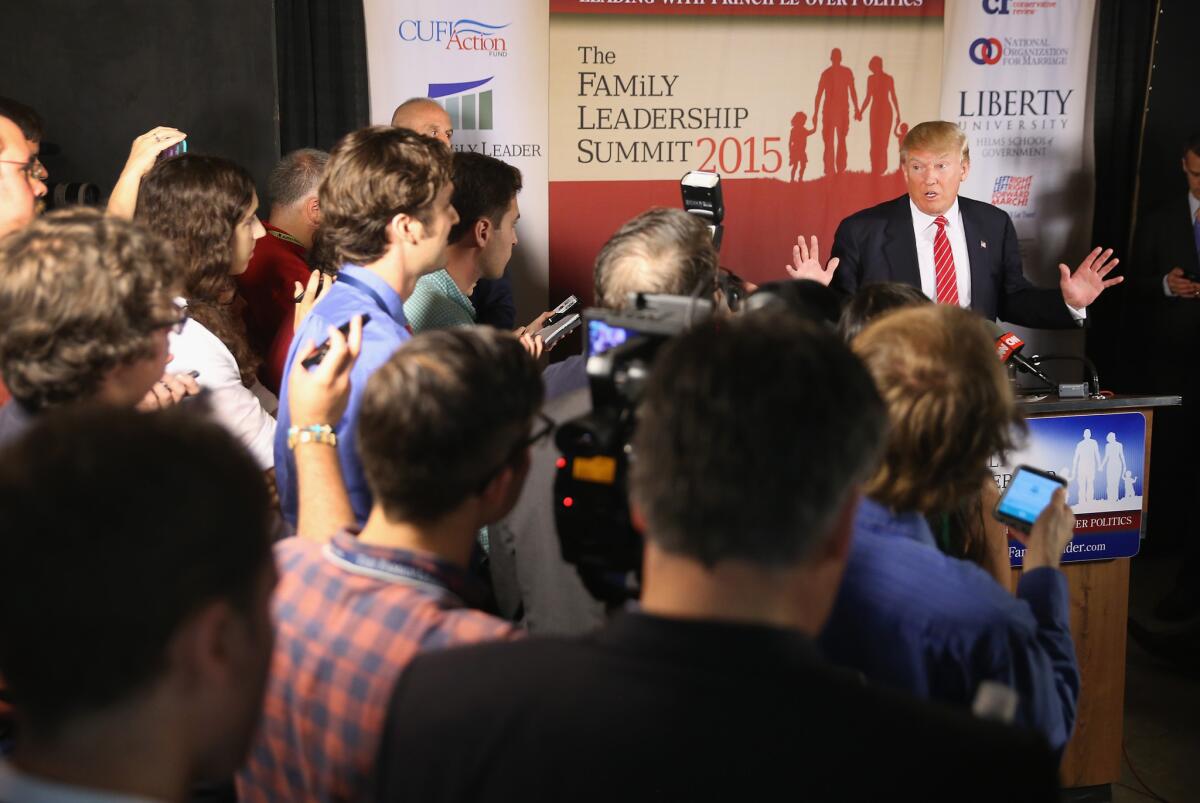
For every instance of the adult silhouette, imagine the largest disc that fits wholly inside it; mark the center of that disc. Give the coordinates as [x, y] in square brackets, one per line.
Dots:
[880, 99]
[1113, 466]
[1084, 465]
[836, 86]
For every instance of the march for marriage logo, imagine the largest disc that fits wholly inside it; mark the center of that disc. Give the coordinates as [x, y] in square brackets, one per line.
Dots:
[1012, 191]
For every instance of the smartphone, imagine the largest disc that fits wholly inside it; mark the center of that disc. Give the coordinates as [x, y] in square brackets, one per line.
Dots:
[177, 149]
[1026, 496]
[559, 312]
[554, 332]
[314, 359]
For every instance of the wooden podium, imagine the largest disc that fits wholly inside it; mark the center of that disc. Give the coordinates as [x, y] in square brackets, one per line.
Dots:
[1099, 609]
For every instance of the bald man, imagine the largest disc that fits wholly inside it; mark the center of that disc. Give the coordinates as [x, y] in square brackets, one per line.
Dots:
[424, 116]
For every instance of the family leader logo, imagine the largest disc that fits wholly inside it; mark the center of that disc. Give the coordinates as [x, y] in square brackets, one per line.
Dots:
[466, 35]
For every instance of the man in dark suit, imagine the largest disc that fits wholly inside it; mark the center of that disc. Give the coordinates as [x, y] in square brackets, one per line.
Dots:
[957, 250]
[712, 689]
[1165, 306]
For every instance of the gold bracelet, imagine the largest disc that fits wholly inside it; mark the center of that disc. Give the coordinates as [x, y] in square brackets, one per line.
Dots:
[317, 433]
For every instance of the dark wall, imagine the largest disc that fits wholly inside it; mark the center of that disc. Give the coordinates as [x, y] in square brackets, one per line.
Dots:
[1174, 108]
[101, 72]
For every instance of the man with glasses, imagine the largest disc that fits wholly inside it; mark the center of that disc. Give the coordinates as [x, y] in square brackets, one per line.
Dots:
[444, 432]
[21, 176]
[87, 303]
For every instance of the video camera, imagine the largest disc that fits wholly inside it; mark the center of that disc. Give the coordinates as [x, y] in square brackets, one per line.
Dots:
[590, 488]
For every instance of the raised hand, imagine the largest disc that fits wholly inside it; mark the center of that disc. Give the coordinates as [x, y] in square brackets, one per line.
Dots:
[320, 396]
[1087, 282]
[806, 262]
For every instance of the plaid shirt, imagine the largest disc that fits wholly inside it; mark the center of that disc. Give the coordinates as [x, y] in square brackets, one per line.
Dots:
[344, 631]
[437, 303]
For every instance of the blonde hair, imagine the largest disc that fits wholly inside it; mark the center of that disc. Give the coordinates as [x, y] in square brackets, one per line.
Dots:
[936, 136]
[950, 407]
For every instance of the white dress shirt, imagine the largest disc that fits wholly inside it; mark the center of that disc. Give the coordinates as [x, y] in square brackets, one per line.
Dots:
[246, 412]
[925, 229]
[19, 787]
[1194, 208]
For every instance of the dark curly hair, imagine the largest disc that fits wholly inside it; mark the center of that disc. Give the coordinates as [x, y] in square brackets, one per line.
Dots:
[196, 202]
[81, 295]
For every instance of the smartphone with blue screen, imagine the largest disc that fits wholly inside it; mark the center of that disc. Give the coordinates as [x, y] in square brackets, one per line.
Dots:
[1026, 496]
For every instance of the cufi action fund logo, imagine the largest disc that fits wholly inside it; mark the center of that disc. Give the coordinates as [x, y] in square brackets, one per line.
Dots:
[464, 35]
[985, 50]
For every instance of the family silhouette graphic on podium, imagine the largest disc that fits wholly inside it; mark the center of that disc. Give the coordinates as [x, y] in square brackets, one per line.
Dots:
[836, 96]
[1087, 462]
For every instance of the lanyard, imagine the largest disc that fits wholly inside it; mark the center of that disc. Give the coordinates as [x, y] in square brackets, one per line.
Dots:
[388, 570]
[345, 278]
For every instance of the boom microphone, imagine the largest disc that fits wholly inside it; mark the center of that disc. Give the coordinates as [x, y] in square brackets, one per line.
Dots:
[1008, 349]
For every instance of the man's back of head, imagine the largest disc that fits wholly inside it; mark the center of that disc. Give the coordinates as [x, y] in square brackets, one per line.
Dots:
[664, 251]
[466, 396]
[374, 174]
[752, 470]
[85, 295]
[134, 581]
[296, 178]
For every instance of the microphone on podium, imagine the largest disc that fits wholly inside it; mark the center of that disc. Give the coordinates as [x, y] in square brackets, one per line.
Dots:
[1008, 349]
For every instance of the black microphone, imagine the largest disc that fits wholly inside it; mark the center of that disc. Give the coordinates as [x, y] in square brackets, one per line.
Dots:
[1008, 349]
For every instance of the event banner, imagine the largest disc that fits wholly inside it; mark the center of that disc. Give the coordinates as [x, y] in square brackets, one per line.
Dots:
[1016, 81]
[486, 64]
[800, 106]
[1103, 459]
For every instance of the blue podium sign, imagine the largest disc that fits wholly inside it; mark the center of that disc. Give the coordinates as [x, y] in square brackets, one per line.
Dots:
[1103, 459]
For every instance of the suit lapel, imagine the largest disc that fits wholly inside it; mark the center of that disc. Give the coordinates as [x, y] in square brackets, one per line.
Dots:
[980, 255]
[900, 245]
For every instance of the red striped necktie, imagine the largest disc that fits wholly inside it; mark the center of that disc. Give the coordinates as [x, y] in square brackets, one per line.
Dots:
[944, 274]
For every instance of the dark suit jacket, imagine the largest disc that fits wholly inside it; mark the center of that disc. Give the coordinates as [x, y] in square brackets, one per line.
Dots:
[1163, 330]
[878, 245]
[649, 708]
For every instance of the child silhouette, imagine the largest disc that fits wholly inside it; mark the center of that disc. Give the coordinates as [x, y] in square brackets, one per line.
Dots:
[798, 145]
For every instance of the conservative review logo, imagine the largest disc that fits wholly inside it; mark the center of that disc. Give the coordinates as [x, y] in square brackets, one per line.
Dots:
[464, 35]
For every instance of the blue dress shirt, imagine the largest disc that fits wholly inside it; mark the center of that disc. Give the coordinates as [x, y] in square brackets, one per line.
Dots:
[911, 617]
[365, 293]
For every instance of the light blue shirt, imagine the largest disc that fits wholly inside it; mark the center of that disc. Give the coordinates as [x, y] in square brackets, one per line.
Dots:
[357, 291]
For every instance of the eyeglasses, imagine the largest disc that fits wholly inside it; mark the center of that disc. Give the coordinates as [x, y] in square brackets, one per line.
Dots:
[33, 169]
[545, 426]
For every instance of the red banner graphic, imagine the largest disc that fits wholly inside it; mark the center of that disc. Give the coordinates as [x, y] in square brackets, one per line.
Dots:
[755, 8]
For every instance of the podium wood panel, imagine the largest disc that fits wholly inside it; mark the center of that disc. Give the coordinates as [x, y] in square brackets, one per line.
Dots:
[1099, 594]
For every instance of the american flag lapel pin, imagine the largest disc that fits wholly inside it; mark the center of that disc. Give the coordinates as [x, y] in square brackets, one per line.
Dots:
[983, 243]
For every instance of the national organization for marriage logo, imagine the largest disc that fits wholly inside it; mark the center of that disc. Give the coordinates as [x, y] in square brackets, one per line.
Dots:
[465, 35]
[985, 50]
[1012, 191]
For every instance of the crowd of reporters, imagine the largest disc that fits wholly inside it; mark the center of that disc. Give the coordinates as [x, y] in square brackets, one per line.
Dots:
[228, 556]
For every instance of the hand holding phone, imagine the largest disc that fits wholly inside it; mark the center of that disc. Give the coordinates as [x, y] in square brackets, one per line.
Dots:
[560, 312]
[1026, 496]
[314, 359]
